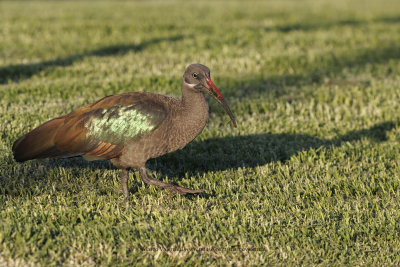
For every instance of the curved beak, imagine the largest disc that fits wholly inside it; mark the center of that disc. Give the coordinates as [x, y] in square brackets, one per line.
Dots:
[214, 92]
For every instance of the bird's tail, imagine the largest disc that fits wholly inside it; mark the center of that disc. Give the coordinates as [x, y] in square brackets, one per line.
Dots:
[39, 143]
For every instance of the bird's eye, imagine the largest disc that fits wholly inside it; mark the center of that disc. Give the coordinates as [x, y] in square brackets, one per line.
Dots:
[194, 75]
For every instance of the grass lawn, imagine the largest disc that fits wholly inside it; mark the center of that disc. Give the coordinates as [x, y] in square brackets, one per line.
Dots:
[311, 176]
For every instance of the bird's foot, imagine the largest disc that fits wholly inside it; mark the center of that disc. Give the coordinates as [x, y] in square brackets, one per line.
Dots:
[182, 190]
[173, 188]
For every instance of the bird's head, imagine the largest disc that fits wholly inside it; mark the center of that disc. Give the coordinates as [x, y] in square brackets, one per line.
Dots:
[197, 77]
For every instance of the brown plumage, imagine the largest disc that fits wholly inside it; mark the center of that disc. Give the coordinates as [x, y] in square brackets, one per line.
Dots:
[128, 129]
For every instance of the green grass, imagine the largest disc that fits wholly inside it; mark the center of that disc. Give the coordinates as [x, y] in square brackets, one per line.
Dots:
[310, 177]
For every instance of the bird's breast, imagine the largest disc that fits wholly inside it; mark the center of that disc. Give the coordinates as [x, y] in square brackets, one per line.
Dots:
[181, 125]
[183, 133]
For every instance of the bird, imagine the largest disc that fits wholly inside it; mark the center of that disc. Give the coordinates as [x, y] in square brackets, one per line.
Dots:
[128, 129]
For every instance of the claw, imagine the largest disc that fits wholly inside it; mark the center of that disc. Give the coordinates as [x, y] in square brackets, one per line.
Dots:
[183, 190]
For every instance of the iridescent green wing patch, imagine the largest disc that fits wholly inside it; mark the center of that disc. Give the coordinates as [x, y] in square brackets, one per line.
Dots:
[120, 124]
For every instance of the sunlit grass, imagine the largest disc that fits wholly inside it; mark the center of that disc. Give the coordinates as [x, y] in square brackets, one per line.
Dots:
[311, 175]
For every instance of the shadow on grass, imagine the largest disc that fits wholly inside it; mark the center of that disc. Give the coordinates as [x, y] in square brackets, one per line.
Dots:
[25, 71]
[325, 71]
[325, 25]
[219, 154]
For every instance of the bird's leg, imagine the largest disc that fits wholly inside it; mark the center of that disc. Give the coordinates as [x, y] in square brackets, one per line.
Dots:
[124, 181]
[173, 188]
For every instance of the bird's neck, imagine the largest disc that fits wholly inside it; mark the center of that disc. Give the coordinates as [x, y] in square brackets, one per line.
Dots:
[194, 104]
[192, 115]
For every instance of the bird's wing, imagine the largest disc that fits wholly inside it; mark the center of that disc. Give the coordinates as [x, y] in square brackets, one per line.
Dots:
[98, 131]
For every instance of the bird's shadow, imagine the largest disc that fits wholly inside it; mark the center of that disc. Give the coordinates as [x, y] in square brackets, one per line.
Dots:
[219, 154]
[224, 153]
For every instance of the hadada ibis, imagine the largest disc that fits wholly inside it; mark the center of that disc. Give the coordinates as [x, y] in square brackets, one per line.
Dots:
[128, 129]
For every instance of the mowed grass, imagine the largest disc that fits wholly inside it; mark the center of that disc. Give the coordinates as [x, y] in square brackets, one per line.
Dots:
[310, 177]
